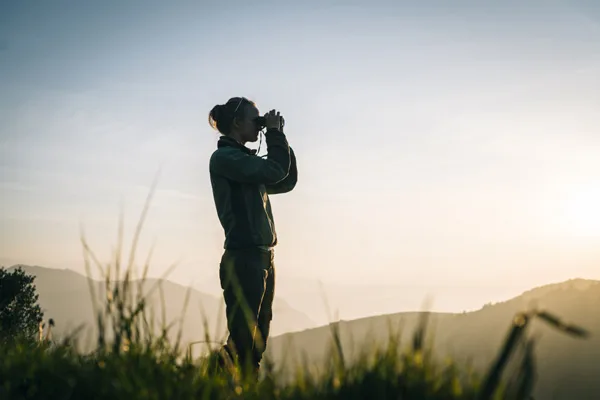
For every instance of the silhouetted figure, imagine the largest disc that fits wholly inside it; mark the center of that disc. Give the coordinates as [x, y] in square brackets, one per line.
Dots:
[241, 183]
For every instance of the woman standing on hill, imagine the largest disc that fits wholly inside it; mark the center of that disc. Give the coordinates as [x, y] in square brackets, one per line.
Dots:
[241, 183]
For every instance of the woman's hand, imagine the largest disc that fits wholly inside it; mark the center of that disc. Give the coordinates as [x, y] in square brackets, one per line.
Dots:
[273, 120]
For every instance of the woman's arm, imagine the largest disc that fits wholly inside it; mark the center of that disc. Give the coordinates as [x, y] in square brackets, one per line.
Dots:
[287, 184]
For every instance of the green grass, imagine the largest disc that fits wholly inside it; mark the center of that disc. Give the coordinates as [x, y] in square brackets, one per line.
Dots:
[154, 372]
[152, 368]
[133, 360]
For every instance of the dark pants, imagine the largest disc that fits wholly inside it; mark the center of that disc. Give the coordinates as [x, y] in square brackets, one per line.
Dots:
[248, 283]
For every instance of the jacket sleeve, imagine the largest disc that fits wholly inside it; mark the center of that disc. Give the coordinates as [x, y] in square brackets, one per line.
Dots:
[242, 167]
[287, 184]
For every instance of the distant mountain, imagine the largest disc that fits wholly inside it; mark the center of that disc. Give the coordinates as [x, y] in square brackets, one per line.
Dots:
[64, 295]
[328, 302]
[566, 365]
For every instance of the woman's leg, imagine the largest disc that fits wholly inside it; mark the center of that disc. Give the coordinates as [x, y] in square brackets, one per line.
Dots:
[244, 275]
[265, 314]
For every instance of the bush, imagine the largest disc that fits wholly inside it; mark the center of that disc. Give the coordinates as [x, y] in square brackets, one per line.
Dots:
[20, 315]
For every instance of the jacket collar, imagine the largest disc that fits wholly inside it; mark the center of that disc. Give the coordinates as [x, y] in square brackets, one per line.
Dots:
[228, 141]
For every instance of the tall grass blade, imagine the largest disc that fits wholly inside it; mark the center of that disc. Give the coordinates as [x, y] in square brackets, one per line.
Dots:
[557, 323]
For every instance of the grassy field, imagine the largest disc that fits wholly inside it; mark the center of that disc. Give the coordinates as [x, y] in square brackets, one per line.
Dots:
[134, 360]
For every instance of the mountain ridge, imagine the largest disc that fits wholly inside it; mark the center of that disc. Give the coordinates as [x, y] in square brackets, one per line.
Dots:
[475, 337]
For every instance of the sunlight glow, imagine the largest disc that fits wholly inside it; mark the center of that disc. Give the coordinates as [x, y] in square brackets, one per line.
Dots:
[582, 211]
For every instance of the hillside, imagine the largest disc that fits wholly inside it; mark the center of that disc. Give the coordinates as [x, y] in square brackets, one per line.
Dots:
[64, 295]
[564, 363]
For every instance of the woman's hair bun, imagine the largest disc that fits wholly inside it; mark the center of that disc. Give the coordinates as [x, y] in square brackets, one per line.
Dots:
[215, 115]
[218, 112]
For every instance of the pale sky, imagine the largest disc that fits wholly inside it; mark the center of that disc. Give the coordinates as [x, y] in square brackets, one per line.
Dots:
[453, 143]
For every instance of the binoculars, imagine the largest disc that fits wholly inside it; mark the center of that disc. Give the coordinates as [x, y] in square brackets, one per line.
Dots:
[262, 122]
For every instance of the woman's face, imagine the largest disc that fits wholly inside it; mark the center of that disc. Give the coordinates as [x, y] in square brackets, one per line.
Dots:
[247, 129]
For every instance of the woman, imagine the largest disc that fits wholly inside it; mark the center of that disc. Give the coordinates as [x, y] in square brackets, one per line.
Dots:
[241, 183]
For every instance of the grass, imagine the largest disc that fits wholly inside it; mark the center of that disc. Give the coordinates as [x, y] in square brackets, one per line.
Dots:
[135, 360]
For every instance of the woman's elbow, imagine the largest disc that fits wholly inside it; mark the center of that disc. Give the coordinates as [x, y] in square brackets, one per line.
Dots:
[290, 184]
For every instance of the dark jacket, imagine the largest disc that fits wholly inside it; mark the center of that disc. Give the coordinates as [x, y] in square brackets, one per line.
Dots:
[241, 183]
